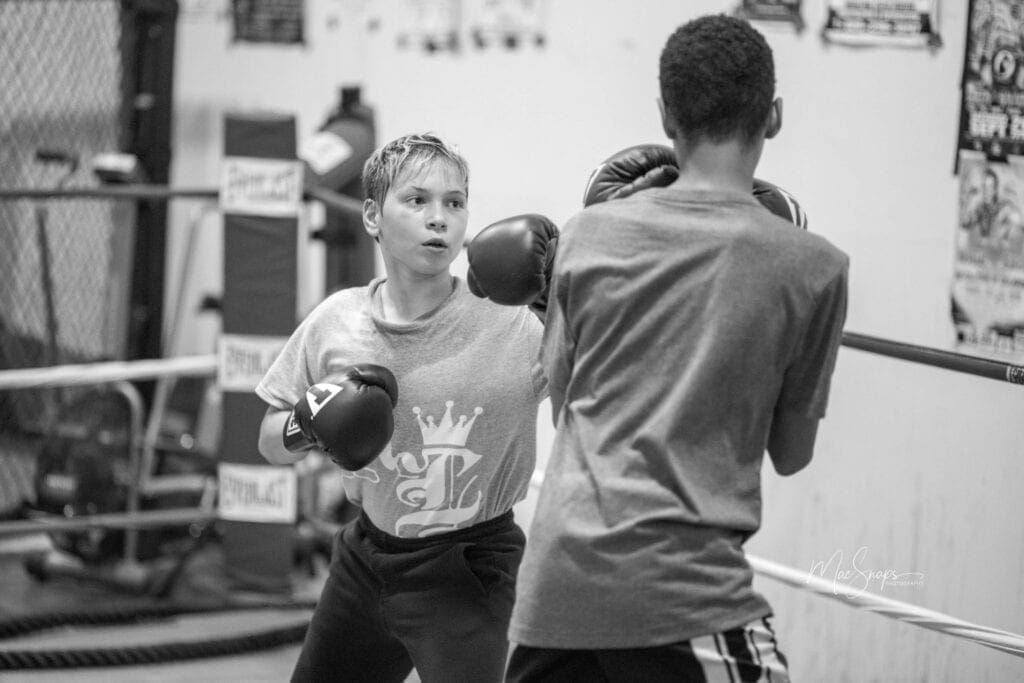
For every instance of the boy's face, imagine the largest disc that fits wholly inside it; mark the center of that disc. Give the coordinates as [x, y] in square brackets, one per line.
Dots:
[422, 224]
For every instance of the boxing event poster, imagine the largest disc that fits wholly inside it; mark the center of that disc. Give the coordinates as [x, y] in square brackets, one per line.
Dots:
[992, 104]
[268, 21]
[907, 23]
[773, 11]
[988, 273]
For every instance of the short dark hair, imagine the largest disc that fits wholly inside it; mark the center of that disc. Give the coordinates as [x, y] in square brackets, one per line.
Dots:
[382, 169]
[717, 78]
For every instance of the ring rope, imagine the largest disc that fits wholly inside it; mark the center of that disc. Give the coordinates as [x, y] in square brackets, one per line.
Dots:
[138, 191]
[206, 365]
[924, 355]
[1004, 641]
[137, 519]
[334, 200]
[110, 371]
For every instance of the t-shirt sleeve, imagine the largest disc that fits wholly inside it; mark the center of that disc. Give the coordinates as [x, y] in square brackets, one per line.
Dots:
[557, 346]
[540, 381]
[806, 383]
[290, 373]
[534, 336]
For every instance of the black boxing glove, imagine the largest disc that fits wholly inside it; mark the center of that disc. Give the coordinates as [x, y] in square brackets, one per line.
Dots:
[510, 261]
[644, 166]
[781, 203]
[349, 416]
[631, 170]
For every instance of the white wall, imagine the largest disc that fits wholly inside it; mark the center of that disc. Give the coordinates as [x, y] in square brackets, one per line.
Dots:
[915, 464]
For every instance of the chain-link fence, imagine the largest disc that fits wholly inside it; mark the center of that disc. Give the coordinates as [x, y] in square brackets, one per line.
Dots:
[66, 263]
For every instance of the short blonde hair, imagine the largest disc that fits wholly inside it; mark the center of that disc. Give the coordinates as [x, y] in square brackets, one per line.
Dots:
[382, 169]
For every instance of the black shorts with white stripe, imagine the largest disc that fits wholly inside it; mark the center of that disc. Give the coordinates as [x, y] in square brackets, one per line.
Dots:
[746, 654]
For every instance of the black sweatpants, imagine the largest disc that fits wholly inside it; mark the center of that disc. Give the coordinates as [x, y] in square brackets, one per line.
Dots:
[440, 604]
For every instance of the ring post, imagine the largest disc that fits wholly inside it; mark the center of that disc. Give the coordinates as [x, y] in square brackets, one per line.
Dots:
[260, 195]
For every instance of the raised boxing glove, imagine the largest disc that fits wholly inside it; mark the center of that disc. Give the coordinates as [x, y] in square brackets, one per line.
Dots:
[781, 203]
[631, 170]
[644, 166]
[349, 416]
[510, 261]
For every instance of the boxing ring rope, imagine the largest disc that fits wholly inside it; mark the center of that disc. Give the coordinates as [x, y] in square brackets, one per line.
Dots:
[104, 372]
[140, 519]
[1004, 641]
[151, 192]
[333, 199]
[206, 365]
[924, 355]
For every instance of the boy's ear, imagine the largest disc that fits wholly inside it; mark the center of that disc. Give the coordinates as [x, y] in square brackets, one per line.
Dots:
[667, 124]
[371, 218]
[774, 119]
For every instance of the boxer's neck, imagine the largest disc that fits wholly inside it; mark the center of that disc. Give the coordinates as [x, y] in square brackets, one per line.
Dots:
[403, 301]
[725, 165]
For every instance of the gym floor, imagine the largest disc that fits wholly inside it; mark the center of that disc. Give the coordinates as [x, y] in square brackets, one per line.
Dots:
[22, 594]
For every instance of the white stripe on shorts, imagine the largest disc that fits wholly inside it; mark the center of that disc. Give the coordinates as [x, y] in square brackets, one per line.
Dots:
[721, 667]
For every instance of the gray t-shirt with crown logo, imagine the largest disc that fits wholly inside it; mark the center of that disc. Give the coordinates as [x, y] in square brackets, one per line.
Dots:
[464, 445]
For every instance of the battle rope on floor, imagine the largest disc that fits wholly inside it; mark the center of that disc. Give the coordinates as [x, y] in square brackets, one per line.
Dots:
[155, 653]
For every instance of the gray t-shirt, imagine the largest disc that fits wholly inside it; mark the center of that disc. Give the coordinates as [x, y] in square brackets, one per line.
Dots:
[678, 323]
[464, 445]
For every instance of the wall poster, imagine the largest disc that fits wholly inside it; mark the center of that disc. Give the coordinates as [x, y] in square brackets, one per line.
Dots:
[907, 23]
[987, 297]
[773, 11]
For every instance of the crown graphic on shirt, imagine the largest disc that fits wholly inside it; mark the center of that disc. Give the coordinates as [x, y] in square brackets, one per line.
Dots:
[447, 432]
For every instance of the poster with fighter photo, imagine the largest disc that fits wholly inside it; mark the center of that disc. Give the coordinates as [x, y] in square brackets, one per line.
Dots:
[779, 12]
[907, 23]
[988, 273]
[992, 95]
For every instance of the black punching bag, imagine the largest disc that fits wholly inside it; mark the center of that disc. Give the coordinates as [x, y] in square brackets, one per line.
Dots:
[334, 159]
